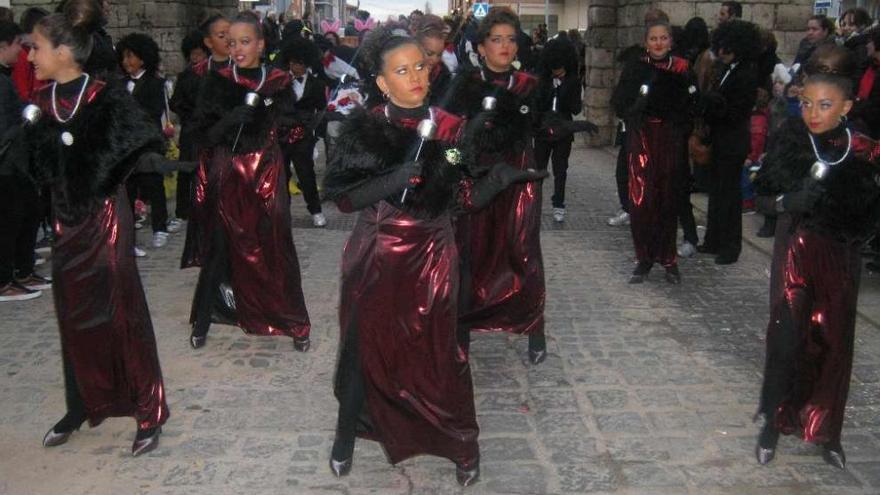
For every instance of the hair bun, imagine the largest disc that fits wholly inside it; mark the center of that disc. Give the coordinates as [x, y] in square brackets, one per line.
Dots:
[831, 60]
[86, 15]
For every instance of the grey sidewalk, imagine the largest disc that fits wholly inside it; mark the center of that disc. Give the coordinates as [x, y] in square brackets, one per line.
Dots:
[647, 390]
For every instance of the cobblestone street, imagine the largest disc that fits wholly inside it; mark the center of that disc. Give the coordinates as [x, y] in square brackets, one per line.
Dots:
[647, 389]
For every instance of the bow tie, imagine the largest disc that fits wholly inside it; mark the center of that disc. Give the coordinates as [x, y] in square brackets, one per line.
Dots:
[300, 79]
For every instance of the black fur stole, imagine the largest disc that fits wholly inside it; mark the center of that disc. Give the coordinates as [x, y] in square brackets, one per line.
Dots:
[369, 146]
[667, 97]
[507, 129]
[849, 209]
[220, 94]
[109, 135]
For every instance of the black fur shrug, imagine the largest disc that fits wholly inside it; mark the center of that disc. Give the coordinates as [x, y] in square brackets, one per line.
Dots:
[849, 209]
[668, 97]
[110, 133]
[507, 129]
[369, 147]
[220, 94]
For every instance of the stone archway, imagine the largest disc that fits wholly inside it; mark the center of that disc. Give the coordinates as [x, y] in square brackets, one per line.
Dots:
[617, 24]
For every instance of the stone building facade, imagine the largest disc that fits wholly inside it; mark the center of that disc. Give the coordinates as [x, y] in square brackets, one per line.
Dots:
[617, 24]
[167, 21]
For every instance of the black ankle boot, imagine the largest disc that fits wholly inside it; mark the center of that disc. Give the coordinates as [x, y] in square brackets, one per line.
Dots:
[467, 473]
[60, 433]
[341, 456]
[641, 272]
[145, 440]
[537, 348]
[672, 275]
[765, 451]
[198, 337]
[833, 454]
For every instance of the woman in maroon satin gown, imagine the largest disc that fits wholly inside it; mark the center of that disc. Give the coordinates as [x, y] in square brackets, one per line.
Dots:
[825, 219]
[85, 145]
[402, 378]
[653, 100]
[184, 101]
[502, 266]
[252, 244]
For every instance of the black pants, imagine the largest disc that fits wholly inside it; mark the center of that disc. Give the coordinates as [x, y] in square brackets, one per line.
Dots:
[184, 194]
[207, 302]
[19, 220]
[724, 226]
[351, 394]
[301, 154]
[621, 175]
[686, 219]
[559, 151]
[150, 187]
[75, 405]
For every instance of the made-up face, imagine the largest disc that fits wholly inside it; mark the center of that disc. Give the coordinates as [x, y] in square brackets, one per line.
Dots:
[658, 42]
[217, 41]
[433, 47]
[823, 106]
[499, 48]
[245, 45]
[404, 77]
[49, 61]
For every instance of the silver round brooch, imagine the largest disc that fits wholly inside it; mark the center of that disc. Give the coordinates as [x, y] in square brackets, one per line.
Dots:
[67, 138]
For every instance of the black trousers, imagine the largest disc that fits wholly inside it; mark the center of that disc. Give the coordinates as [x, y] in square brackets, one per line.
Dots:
[621, 175]
[301, 154]
[685, 208]
[150, 187]
[19, 220]
[75, 405]
[184, 194]
[559, 151]
[724, 226]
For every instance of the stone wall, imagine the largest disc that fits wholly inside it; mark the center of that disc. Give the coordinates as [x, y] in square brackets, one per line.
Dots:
[616, 24]
[167, 21]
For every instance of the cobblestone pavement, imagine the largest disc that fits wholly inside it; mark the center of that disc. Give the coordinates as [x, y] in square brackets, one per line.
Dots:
[647, 390]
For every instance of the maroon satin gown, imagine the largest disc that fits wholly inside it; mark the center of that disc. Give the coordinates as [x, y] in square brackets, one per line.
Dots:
[251, 203]
[814, 294]
[199, 226]
[502, 246]
[654, 151]
[400, 281]
[106, 331]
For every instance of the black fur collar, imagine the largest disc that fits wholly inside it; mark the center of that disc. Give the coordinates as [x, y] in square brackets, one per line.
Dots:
[369, 146]
[110, 131]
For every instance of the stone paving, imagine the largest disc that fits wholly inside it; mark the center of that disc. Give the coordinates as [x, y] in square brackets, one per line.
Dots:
[647, 390]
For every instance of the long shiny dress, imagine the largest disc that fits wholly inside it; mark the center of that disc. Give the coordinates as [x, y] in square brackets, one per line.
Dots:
[249, 209]
[502, 266]
[199, 226]
[816, 272]
[107, 341]
[657, 124]
[398, 300]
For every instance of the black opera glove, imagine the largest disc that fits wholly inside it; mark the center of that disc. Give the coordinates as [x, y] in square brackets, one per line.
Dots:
[409, 174]
[499, 178]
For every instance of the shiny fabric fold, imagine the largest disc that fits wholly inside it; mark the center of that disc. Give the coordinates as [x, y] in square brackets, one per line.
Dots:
[400, 284]
[106, 330]
[810, 349]
[653, 152]
[252, 206]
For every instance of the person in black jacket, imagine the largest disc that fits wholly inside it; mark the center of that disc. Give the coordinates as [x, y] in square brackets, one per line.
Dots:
[20, 215]
[139, 58]
[727, 107]
[300, 119]
[559, 97]
[183, 103]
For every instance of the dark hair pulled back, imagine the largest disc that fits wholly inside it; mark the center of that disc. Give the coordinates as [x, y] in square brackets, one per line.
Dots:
[73, 27]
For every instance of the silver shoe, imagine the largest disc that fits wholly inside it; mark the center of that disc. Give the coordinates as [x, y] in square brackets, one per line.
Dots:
[340, 468]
